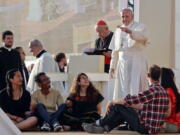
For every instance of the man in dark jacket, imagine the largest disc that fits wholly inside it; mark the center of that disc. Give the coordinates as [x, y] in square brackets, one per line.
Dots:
[102, 43]
[9, 58]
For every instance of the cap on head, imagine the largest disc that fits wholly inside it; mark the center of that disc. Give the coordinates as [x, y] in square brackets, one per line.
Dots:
[101, 22]
[127, 10]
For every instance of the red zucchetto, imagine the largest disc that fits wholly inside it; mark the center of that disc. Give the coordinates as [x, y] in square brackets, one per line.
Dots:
[101, 22]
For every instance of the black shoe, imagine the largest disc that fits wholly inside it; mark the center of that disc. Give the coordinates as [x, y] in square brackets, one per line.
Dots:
[93, 128]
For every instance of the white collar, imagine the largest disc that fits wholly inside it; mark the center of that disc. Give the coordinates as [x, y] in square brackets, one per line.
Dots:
[9, 49]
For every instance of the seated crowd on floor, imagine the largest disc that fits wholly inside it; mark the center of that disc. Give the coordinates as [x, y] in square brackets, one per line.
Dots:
[33, 101]
[46, 108]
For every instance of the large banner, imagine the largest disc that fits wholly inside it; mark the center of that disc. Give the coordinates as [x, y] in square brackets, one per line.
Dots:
[7, 127]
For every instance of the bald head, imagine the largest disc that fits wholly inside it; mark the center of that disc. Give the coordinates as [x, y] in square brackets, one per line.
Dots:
[127, 16]
[35, 46]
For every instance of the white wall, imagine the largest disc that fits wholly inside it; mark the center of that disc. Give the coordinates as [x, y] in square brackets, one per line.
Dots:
[157, 15]
[177, 32]
[177, 41]
[163, 20]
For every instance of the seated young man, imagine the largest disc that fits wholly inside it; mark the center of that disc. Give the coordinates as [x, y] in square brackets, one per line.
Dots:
[46, 103]
[148, 120]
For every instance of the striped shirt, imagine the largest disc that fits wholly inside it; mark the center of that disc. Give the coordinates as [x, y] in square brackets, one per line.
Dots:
[155, 106]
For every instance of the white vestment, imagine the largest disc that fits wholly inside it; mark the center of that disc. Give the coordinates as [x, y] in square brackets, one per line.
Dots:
[129, 61]
[45, 63]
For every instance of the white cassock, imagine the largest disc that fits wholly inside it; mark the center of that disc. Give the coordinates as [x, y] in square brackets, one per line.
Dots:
[45, 63]
[129, 61]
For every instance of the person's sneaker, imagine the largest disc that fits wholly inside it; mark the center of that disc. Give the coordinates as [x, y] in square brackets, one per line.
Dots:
[171, 128]
[57, 127]
[45, 127]
[93, 128]
[123, 127]
[86, 124]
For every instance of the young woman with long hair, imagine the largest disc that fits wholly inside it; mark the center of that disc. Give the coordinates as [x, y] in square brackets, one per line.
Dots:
[83, 103]
[168, 82]
[15, 101]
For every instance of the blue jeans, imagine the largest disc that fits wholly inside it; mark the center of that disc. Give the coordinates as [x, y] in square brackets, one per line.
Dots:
[50, 118]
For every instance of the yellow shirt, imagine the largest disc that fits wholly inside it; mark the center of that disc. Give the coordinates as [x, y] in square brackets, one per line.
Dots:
[51, 101]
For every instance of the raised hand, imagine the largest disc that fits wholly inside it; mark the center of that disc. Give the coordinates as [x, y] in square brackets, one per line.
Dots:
[126, 30]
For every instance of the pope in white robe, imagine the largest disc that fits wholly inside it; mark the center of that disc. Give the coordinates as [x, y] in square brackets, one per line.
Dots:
[128, 63]
[44, 63]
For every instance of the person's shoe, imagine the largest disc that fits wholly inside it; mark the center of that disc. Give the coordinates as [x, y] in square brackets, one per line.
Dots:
[57, 127]
[45, 127]
[123, 127]
[93, 128]
[86, 124]
[171, 128]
